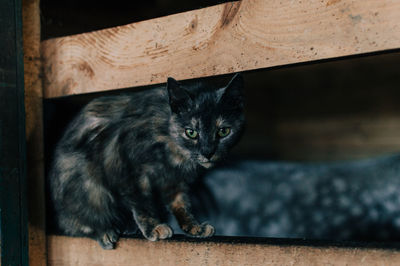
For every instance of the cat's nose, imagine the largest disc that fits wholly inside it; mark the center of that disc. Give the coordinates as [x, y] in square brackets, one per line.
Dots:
[208, 153]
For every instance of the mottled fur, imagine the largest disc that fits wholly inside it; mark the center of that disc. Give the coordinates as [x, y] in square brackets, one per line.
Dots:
[356, 200]
[128, 156]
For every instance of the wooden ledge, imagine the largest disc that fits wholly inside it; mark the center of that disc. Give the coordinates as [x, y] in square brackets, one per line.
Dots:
[219, 251]
[226, 38]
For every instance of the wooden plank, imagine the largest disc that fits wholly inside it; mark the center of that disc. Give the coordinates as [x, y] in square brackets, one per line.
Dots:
[34, 132]
[13, 215]
[222, 251]
[226, 38]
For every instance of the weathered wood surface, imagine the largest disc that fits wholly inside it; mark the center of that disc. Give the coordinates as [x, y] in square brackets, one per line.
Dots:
[230, 37]
[34, 132]
[79, 251]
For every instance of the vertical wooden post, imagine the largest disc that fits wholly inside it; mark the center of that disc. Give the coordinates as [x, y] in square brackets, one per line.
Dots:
[34, 133]
[13, 218]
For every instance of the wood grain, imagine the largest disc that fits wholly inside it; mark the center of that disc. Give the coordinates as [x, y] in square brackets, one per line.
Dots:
[79, 251]
[226, 38]
[34, 133]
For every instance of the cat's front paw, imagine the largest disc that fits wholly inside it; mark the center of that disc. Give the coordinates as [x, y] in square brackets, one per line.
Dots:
[108, 239]
[200, 230]
[161, 231]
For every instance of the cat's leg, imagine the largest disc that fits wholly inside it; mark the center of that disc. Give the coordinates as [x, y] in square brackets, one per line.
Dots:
[102, 214]
[107, 238]
[148, 222]
[181, 208]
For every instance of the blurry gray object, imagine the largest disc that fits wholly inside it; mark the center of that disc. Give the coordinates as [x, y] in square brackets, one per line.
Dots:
[356, 200]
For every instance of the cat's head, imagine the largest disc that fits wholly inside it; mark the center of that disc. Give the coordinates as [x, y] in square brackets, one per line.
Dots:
[206, 123]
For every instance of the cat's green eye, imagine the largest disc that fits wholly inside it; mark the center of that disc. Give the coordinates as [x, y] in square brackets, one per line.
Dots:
[191, 133]
[223, 132]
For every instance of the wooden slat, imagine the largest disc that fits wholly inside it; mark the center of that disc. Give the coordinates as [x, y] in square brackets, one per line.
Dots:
[34, 132]
[226, 38]
[232, 251]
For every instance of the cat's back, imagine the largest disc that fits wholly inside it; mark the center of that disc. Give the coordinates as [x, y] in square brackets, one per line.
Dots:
[110, 113]
[127, 104]
[90, 146]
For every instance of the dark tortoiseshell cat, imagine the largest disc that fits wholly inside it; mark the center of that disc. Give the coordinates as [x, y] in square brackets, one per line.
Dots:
[131, 155]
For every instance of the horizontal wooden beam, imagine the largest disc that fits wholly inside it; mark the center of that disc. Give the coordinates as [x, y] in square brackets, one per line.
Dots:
[230, 251]
[226, 38]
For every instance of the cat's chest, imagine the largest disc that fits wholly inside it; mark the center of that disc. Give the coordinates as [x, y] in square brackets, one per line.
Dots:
[170, 176]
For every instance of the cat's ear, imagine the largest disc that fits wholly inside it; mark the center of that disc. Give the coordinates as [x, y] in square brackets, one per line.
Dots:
[179, 98]
[232, 96]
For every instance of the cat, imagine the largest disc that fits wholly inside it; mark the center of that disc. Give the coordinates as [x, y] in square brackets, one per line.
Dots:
[352, 200]
[128, 157]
